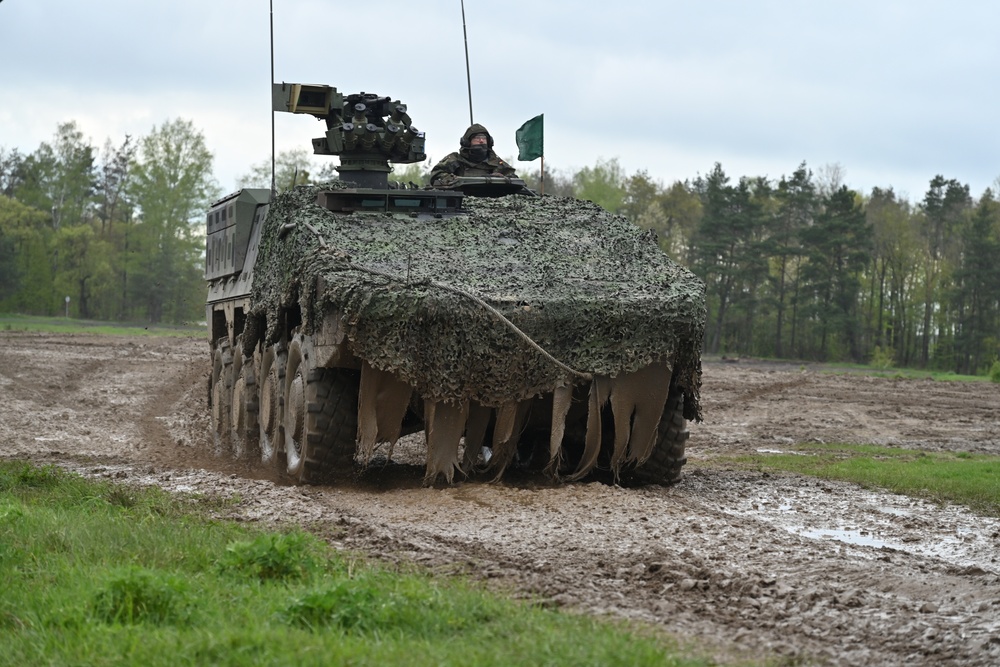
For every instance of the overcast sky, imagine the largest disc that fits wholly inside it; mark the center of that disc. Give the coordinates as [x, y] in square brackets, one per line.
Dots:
[892, 91]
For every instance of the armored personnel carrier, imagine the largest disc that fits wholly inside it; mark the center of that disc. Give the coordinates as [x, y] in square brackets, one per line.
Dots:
[513, 330]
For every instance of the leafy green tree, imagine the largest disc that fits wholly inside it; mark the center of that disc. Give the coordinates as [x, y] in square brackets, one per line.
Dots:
[172, 186]
[603, 184]
[59, 177]
[115, 214]
[86, 267]
[642, 194]
[681, 214]
[291, 167]
[25, 269]
[556, 184]
[111, 184]
[11, 171]
[417, 173]
[672, 213]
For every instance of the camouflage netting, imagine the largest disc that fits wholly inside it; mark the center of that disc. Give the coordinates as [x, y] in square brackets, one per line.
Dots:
[589, 287]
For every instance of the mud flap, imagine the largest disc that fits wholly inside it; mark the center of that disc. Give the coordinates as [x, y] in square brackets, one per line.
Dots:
[600, 389]
[382, 403]
[561, 400]
[637, 401]
[445, 423]
[506, 434]
[475, 435]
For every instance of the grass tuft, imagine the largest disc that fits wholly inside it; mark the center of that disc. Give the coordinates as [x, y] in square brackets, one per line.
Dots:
[274, 556]
[350, 605]
[18, 474]
[134, 595]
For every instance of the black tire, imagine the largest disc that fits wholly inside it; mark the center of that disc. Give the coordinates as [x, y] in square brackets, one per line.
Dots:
[321, 417]
[244, 432]
[270, 405]
[665, 462]
[220, 395]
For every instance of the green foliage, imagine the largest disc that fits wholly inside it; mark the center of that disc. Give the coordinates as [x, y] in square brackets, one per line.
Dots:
[172, 178]
[729, 255]
[291, 167]
[415, 173]
[136, 595]
[27, 277]
[675, 218]
[838, 250]
[603, 184]
[350, 605]
[376, 603]
[274, 556]
[58, 177]
[995, 372]
[556, 184]
[17, 474]
[882, 359]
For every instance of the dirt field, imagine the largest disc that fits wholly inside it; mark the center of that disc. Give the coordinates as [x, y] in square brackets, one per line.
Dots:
[747, 565]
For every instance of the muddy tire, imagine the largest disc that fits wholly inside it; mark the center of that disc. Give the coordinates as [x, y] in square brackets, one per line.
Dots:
[244, 431]
[270, 405]
[220, 395]
[664, 464]
[321, 417]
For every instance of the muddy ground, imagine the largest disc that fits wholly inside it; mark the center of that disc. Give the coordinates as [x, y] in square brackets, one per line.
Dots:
[743, 564]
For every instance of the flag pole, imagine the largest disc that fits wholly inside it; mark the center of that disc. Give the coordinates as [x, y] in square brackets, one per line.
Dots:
[542, 174]
[468, 76]
[270, 86]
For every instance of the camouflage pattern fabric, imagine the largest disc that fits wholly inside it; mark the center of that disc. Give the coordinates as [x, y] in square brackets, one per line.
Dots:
[464, 163]
[455, 164]
[589, 287]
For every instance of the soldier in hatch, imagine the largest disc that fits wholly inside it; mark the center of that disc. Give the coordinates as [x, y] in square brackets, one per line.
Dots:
[475, 158]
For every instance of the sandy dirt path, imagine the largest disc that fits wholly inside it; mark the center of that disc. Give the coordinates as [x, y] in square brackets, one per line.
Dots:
[742, 563]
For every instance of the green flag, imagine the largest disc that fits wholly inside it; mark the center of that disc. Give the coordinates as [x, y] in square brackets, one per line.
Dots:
[529, 140]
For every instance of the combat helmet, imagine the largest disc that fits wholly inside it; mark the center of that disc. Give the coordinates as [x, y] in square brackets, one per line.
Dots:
[474, 129]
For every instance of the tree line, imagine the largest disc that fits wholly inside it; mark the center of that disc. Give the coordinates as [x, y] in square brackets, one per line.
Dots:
[114, 234]
[796, 267]
[805, 267]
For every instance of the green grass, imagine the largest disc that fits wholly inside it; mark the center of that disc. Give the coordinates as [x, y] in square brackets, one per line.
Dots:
[873, 370]
[12, 322]
[101, 574]
[904, 373]
[947, 477]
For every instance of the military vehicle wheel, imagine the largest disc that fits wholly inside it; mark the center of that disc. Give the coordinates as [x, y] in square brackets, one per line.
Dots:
[270, 403]
[220, 394]
[321, 416]
[664, 464]
[244, 431]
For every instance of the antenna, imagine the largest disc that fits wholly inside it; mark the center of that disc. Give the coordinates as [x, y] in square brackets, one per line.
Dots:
[468, 77]
[270, 87]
